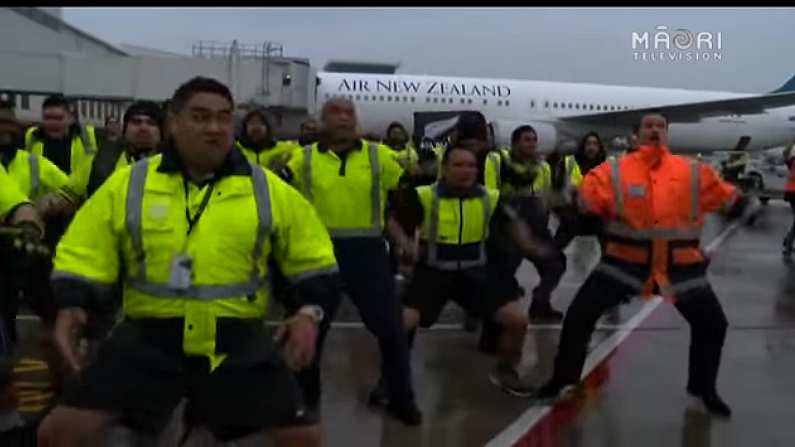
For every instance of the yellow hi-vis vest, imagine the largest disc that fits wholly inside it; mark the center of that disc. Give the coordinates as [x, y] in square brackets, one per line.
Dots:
[454, 229]
[137, 219]
[83, 146]
[10, 195]
[282, 149]
[35, 175]
[349, 195]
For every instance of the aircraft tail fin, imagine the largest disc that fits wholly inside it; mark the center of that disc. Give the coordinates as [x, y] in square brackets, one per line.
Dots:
[787, 87]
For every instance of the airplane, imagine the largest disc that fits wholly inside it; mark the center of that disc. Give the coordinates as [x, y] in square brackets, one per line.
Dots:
[562, 112]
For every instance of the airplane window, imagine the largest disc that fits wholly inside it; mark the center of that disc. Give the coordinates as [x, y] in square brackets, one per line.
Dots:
[507, 103]
[435, 100]
[327, 95]
[554, 105]
[469, 101]
[358, 97]
[389, 99]
[598, 107]
[463, 101]
[570, 106]
[577, 106]
[499, 103]
[532, 103]
[405, 99]
[381, 98]
[591, 106]
[485, 102]
[427, 99]
[546, 104]
[413, 99]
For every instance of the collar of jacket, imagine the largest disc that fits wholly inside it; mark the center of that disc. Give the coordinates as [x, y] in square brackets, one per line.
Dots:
[322, 147]
[7, 155]
[652, 155]
[477, 190]
[234, 164]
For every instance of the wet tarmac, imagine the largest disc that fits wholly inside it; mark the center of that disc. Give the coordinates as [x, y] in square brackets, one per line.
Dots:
[637, 397]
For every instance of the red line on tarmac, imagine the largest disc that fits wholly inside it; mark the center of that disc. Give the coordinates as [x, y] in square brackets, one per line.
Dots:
[539, 426]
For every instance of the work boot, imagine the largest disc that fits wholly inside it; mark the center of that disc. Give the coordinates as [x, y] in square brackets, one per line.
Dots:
[710, 403]
[407, 413]
[505, 377]
[379, 397]
[543, 311]
[553, 391]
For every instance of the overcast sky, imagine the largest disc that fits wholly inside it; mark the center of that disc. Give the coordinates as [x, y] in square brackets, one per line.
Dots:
[576, 45]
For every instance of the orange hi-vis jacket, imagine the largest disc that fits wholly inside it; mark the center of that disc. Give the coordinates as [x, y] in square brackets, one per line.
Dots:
[790, 187]
[654, 204]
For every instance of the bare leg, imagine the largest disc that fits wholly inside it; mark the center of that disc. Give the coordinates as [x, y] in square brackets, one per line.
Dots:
[73, 427]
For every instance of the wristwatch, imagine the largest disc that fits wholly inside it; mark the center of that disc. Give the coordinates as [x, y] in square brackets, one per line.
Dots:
[314, 312]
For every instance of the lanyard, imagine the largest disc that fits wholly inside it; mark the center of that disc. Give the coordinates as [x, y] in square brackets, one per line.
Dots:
[195, 219]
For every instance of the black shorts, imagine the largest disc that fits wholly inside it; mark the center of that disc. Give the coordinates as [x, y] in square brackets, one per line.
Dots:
[142, 382]
[429, 290]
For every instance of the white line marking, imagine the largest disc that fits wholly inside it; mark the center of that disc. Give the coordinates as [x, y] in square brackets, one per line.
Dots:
[533, 415]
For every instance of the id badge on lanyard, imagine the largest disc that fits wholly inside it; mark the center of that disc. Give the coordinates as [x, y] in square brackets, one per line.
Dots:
[182, 264]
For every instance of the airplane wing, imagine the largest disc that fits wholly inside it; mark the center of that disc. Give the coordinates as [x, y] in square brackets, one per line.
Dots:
[691, 112]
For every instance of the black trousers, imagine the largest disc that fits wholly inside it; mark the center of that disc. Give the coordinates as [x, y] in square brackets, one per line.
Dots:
[573, 224]
[368, 280]
[700, 307]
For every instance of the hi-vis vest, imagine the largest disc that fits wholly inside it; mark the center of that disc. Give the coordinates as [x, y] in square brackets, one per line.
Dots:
[572, 178]
[83, 145]
[650, 241]
[10, 196]
[139, 217]
[454, 230]
[282, 149]
[538, 187]
[35, 175]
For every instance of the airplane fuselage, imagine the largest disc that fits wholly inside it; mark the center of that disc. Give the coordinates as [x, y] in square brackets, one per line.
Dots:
[382, 99]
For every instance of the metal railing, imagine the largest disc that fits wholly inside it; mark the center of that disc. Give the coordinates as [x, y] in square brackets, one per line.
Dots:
[214, 49]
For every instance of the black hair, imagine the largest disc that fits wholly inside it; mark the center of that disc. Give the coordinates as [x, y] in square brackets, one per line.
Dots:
[147, 108]
[635, 128]
[394, 125]
[57, 100]
[654, 112]
[585, 163]
[263, 115]
[471, 124]
[517, 133]
[455, 147]
[199, 84]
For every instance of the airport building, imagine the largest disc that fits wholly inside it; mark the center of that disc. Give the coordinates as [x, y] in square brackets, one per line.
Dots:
[42, 54]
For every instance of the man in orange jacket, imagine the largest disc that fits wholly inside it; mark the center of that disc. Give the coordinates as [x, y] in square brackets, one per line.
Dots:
[789, 196]
[653, 204]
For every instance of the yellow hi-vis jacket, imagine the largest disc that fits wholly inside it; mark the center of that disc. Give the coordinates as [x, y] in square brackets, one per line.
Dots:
[84, 145]
[33, 174]
[282, 149]
[139, 218]
[348, 193]
[10, 195]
